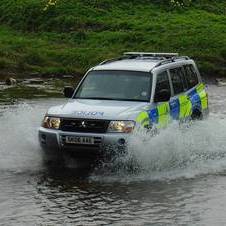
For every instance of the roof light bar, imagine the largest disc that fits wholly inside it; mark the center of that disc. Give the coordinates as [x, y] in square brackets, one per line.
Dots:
[147, 54]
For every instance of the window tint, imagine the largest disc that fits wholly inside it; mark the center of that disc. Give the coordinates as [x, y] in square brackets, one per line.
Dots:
[116, 85]
[181, 72]
[178, 81]
[162, 82]
[191, 76]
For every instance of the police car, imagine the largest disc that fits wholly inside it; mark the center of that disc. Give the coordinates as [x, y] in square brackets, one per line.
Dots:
[119, 96]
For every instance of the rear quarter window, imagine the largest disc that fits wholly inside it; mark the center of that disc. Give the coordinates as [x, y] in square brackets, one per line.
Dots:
[191, 76]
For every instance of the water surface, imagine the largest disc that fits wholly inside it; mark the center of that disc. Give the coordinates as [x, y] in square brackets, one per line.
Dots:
[181, 179]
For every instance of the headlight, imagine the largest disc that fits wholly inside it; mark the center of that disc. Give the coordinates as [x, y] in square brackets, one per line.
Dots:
[121, 126]
[51, 122]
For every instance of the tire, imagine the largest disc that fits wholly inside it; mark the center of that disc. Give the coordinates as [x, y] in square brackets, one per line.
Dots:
[197, 115]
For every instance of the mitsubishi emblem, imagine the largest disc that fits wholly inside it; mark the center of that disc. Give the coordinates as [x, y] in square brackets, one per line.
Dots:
[83, 124]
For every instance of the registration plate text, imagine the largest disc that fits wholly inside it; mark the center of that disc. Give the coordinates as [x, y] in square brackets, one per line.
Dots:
[79, 140]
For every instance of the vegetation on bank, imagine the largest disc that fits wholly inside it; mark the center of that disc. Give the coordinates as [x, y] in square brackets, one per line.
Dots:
[72, 35]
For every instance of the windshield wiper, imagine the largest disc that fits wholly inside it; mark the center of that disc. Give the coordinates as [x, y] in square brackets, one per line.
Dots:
[95, 98]
[107, 98]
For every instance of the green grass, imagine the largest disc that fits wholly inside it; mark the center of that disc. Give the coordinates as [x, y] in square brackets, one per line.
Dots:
[74, 35]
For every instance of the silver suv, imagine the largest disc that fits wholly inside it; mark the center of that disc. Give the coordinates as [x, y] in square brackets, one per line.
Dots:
[119, 96]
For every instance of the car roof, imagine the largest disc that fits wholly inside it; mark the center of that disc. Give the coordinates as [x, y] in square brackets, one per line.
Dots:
[139, 61]
[139, 64]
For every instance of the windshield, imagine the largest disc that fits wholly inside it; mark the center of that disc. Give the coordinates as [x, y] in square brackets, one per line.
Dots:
[116, 85]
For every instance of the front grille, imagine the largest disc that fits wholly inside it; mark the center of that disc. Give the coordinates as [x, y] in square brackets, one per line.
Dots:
[84, 125]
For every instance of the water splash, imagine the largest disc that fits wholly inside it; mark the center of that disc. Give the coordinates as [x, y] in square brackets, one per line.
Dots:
[178, 151]
[19, 148]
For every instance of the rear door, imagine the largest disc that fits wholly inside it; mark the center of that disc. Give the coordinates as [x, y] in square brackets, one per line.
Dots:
[197, 92]
[180, 103]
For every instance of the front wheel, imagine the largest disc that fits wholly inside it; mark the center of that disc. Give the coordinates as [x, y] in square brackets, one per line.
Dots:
[197, 115]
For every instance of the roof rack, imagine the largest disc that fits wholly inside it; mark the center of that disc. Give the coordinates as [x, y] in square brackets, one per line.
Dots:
[181, 57]
[147, 54]
[113, 59]
[172, 59]
[123, 57]
[164, 58]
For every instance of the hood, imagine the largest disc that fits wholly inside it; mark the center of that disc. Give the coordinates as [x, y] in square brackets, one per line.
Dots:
[98, 109]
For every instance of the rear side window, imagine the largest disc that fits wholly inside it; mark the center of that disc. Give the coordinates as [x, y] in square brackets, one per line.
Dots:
[191, 76]
[178, 82]
[162, 82]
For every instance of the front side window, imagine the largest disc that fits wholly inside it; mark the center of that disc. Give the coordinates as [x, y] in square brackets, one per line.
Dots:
[162, 82]
[116, 85]
[177, 80]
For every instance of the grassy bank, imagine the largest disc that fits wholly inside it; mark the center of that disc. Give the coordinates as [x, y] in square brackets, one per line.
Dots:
[74, 35]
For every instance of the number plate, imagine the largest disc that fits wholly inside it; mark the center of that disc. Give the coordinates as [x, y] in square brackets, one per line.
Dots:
[79, 140]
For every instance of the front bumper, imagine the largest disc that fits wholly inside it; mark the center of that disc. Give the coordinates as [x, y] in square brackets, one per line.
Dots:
[54, 140]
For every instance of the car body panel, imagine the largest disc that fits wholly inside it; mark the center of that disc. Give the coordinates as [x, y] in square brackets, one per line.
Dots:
[144, 65]
[98, 109]
[179, 107]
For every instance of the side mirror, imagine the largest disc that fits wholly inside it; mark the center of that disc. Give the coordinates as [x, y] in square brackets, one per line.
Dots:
[162, 95]
[68, 91]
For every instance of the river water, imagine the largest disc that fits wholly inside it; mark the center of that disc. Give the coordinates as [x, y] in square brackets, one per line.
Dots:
[181, 178]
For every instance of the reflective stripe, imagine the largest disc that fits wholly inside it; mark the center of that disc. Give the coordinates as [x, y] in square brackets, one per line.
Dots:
[143, 118]
[204, 102]
[163, 112]
[153, 115]
[195, 100]
[200, 89]
[174, 108]
[145, 122]
[185, 106]
[177, 109]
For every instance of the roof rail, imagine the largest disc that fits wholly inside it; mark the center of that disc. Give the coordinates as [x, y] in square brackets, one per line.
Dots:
[147, 54]
[166, 61]
[172, 59]
[112, 60]
[163, 57]
[181, 58]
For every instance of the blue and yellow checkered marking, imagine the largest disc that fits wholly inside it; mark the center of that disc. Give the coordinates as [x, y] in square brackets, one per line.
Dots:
[153, 115]
[177, 108]
[195, 100]
[174, 108]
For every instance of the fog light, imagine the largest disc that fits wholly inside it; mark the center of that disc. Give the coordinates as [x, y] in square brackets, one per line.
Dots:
[43, 138]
